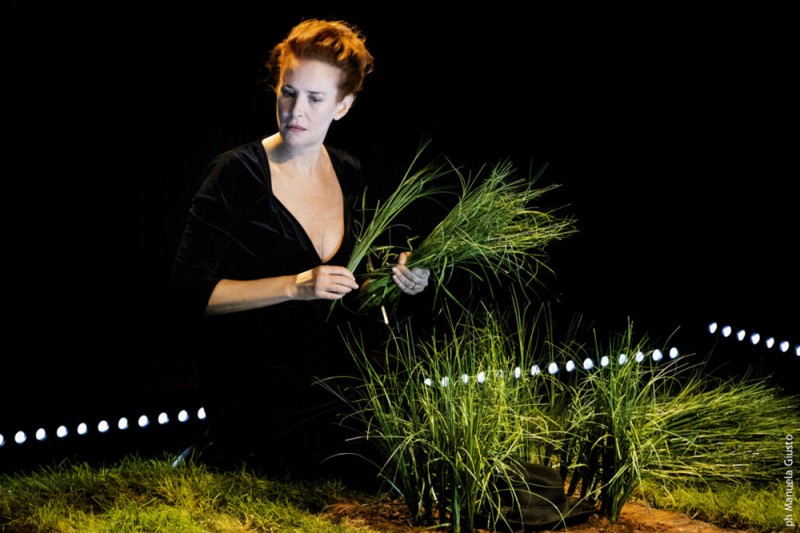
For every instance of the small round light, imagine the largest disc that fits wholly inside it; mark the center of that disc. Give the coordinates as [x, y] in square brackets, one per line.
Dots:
[657, 355]
[605, 361]
[588, 364]
[570, 366]
[552, 368]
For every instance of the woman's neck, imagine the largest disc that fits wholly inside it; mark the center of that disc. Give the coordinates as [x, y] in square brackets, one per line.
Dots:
[302, 161]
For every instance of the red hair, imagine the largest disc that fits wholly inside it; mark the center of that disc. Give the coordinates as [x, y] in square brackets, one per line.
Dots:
[337, 43]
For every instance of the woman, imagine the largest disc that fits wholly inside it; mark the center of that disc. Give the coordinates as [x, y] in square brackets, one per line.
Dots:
[262, 254]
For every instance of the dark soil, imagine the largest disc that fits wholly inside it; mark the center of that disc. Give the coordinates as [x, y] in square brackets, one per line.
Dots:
[392, 517]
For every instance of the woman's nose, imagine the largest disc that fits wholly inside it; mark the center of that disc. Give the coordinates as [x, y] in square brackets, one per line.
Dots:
[297, 108]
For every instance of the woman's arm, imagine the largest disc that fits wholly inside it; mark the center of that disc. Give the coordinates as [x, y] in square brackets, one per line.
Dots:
[326, 282]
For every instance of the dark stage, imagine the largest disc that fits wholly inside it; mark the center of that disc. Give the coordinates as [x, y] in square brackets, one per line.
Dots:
[669, 133]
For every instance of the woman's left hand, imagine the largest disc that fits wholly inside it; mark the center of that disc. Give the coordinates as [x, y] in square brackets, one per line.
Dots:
[409, 280]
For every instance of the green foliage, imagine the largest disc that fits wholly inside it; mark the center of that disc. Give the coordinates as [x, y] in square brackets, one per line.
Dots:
[416, 184]
[138, 495]
[658, 419]
[753, 507]
[452, 416]
[493, 231]
[641, 416]
[455, 412]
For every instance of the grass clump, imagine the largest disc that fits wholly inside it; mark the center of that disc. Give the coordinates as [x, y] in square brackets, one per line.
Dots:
[753, 507]
[143, 495]
[455, 413]
[453, 417]
[657, 416]
[416, 184]
[493, 231]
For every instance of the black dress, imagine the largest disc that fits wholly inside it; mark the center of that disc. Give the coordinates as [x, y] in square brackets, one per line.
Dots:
[259, 366]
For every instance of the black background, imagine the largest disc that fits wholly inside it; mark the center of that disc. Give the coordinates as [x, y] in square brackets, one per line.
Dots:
[671, 132]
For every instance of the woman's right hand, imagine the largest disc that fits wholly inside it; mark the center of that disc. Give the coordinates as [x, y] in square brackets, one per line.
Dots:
[327, 282]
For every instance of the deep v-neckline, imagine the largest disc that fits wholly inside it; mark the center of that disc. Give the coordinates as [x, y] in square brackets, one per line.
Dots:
[296, 222]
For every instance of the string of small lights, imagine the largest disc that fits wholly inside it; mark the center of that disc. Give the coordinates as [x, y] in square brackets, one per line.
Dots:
[21, 437]
[163, 418]
[755, 338]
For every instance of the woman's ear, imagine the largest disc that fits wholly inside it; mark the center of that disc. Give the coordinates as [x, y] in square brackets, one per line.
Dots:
[344, 106]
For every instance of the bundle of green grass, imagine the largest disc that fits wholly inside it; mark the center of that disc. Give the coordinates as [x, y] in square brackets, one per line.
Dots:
[494, 230]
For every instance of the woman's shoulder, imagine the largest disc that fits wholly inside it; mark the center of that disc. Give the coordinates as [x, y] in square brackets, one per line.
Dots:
[248, 154]
[348, 169]
[239, 172]
[342, 158]
[247, 159]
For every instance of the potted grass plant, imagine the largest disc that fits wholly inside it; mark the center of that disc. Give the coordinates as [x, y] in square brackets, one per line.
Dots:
[652, 415]
[453, 415]
[456, 413]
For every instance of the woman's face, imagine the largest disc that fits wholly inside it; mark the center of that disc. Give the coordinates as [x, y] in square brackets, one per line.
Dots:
[308, 101]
